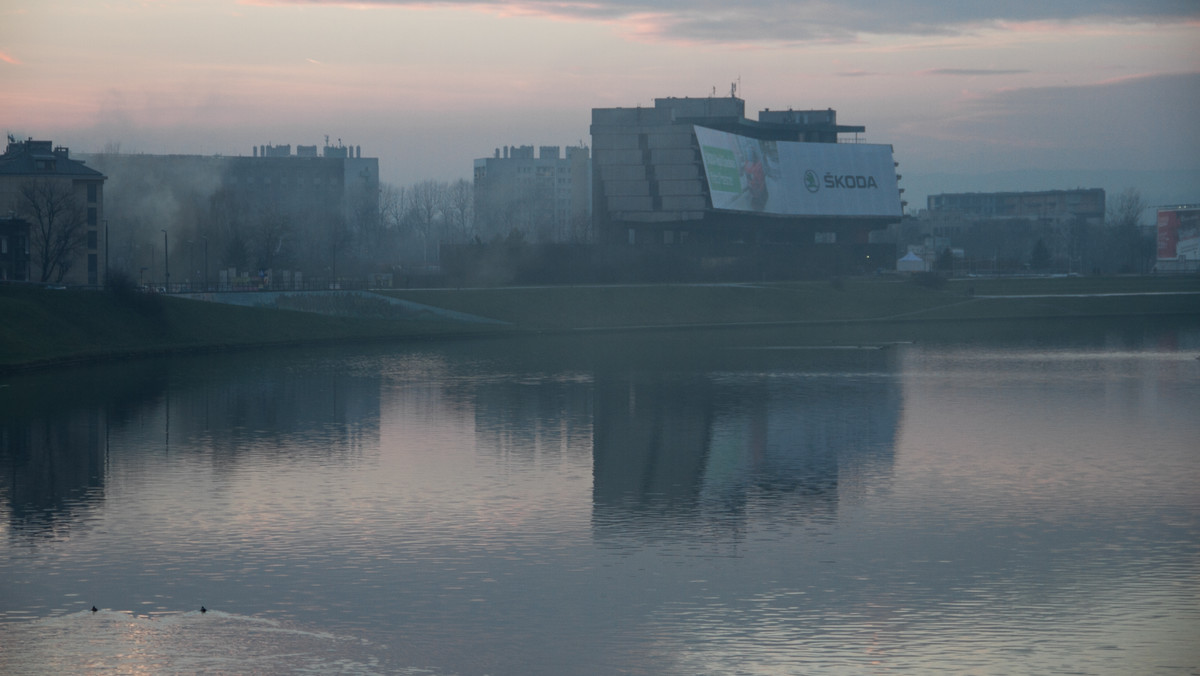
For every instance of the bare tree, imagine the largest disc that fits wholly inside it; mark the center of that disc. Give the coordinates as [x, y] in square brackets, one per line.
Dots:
[269, 238]
[1128, 249]
[460, 208]
[1126, 209]
[59, 225]
[426, 206]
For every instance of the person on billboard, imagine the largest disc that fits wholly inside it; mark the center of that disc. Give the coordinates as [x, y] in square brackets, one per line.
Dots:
[756, 180]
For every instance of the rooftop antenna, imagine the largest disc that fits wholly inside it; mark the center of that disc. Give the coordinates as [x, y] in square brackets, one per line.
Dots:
[732, 89]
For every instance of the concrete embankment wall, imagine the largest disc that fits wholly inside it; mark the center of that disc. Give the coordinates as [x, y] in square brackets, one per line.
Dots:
[351, 303]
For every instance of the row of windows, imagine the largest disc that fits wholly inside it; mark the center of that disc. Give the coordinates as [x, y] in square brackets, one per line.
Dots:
[19, 245]
[283, 180]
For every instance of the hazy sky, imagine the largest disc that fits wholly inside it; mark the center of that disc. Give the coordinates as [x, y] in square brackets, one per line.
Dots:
[957, 86]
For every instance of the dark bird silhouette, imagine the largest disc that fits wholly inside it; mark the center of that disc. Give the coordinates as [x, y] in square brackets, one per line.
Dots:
[203, 609]
[93, 609]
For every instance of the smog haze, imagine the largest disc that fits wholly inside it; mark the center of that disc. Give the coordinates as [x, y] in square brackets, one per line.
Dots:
[1002, 96]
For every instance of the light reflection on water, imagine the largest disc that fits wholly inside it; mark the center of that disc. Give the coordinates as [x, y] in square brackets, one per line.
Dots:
[672, 504]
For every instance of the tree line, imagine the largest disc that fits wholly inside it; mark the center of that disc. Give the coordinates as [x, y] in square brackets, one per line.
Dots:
[226, 229]
[1117, 245]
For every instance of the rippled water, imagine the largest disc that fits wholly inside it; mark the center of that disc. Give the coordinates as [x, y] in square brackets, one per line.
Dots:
[997, 499]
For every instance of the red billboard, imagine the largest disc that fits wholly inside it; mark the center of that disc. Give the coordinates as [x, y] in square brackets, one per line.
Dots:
[1179, 234]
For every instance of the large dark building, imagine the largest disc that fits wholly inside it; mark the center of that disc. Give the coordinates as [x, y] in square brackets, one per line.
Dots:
[696, 170]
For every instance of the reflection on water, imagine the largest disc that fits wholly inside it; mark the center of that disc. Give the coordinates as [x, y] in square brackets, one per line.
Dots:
[987, 499]
[770, 432]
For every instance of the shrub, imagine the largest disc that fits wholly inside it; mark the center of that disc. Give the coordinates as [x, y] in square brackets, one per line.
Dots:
[929, 280]
[125, 292]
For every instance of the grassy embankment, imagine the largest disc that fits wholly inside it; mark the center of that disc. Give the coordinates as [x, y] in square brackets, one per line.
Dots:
[854, 300]
[50, 326]
[56, 326]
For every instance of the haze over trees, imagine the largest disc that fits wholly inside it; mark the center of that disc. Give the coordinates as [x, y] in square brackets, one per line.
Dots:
[1118, 245]
[214, 227]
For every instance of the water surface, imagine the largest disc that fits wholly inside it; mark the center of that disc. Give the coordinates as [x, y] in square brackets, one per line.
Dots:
[988, 499]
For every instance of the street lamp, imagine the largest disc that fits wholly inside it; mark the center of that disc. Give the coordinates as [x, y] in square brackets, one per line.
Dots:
[106, 252]
[166, 262]
[205, 263]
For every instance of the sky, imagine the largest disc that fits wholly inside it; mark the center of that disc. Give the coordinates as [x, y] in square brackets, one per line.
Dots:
[972, 95]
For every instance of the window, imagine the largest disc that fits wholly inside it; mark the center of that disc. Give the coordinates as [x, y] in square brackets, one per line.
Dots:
[93, 264]
[3, 245]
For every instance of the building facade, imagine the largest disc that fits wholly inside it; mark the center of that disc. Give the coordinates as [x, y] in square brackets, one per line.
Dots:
[1047, 205]
[337, 181]
[696, 170]
[237, 217]
[1178, 238]
[62, 201]
[14, 250]
[544, 197]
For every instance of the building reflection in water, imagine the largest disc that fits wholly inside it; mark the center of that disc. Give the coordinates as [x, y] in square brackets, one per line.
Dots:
[65, 434]
[790, 431]
[54, 436]
[685, 434]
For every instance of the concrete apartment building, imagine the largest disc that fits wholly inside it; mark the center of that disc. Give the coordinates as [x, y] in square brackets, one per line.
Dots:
[545, 197]
[62, 202]
[1047, 205]
[338, 180]
[220, 212]
[696, 170]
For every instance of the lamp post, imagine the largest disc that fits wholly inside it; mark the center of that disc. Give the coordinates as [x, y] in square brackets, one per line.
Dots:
[106, 252]
[166, 262]
[205, 263]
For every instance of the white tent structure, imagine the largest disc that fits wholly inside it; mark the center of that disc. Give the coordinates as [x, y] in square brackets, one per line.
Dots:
[911, 262]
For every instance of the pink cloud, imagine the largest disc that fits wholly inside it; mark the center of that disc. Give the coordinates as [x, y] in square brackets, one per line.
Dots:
[6, 58]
